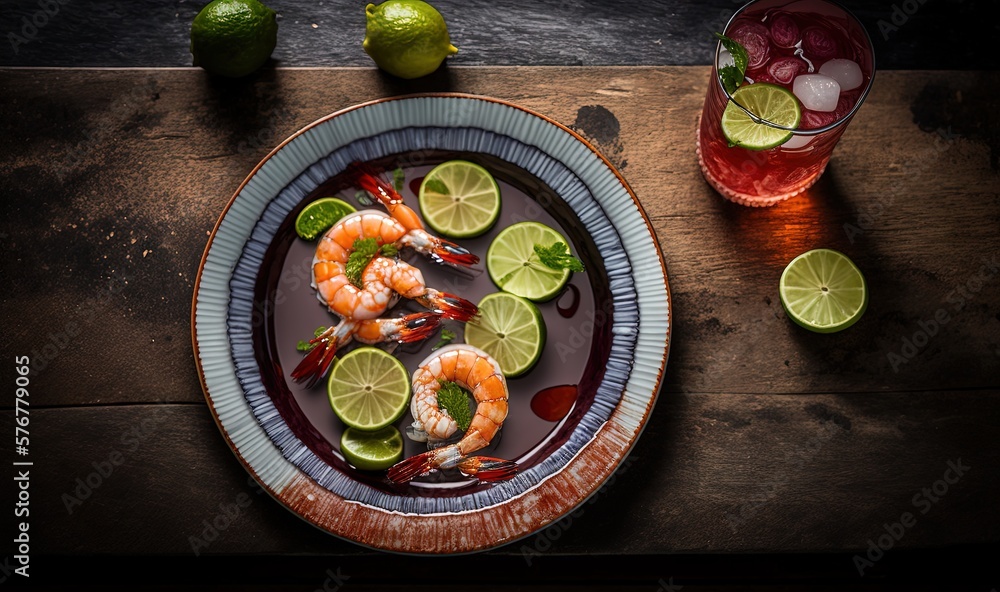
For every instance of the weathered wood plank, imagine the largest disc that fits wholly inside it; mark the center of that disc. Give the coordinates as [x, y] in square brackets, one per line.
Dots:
[711, 473]
[112, 180]
[564, 33]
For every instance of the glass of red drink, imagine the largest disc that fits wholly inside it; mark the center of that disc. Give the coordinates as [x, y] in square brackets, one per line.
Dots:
[815, 40]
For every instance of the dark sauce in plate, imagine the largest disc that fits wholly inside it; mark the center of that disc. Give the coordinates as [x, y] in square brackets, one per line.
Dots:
[576, 350]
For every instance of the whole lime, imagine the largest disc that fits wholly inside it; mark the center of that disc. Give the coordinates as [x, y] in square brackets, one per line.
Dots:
[233, 37]
[406, 38]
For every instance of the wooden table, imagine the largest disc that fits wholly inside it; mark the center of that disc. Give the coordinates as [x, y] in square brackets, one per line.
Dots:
[772, 453]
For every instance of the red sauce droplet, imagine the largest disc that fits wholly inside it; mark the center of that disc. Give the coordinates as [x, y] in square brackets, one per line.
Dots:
[415, 185]
[553, 403]
[569, 310]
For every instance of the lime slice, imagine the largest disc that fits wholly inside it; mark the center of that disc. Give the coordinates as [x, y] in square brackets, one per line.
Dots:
[317, 217]
[515, 267]
[823, 291]
[459, 199]
[509, 328]
[767, 101]
[369, 389]
[372, 451]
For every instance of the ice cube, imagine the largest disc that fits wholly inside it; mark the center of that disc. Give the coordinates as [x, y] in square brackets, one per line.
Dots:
[796, 142]
[725, 59]
[845, 72]
[817, 92]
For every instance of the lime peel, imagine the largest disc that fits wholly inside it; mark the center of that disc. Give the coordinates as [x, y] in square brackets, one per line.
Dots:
[406, 38]
[372, 451]
[515, 266]
[459, 199]
[823, 290]
[368, 389]
[766, 101]
[510, 329]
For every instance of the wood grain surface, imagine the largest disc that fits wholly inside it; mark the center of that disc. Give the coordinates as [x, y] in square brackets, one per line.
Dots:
[939, 34]
[766, 438]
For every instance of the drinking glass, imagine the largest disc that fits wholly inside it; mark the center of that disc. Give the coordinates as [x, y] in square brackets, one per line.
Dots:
[785, 40]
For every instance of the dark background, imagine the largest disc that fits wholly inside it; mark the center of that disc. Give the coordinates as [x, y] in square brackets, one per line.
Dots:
[940, 34]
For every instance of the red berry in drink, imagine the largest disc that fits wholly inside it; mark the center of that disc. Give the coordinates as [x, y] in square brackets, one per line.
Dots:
[784, 31]
[754, 38]
[818, 43]
[784, 70]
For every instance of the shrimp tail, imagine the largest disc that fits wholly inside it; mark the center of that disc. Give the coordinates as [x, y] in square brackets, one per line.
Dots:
[488, 468]
[314, 366]
[448, 305]
[366, 177]
[405, 470]
[418, 326]
[324, 351]
[452, 254]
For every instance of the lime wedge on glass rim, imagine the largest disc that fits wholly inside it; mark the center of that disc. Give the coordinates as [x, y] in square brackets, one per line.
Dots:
[317, 217]
[372, 451]
[459, 199]
[509, 328]
[515, 267]
[369, 389]
[767, 101]
[823, 291]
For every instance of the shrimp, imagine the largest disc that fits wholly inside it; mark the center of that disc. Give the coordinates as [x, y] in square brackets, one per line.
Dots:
[383, 276]
[413, 327]
[472, 369]
[365, 177]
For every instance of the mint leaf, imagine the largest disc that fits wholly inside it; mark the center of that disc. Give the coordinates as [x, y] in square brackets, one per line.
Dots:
[732, 75]
[731, 78]
[437, 186]
[446, 338]
[455, 400]
[304, 346]
[557, 256]
[398, 179]
[362, 252]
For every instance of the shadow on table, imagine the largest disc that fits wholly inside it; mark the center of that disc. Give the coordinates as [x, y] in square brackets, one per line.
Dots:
[441, 80]
[248, 105]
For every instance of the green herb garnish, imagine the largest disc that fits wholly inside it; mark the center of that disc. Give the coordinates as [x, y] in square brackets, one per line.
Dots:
[304, 346]
[732, 75]
[455, 400]
[362, 252]
[398, 179]
[437, 186]
[446, 338]
[557, 256]
[363, 198]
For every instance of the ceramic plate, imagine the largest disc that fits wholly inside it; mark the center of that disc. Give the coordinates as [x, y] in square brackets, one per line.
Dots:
[608, 332]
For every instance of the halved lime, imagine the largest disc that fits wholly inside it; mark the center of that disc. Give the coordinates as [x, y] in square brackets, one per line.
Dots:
[514, 265]
[369, 389]
[767, 101]
[372, 451]
[459, 199]
[509, 328]
[317, 217]
[823, 290]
